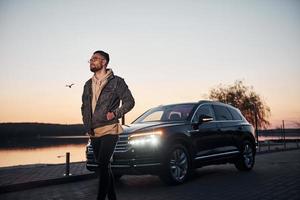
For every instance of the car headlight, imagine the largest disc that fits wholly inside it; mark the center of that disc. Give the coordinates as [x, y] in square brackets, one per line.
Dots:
[142, 139]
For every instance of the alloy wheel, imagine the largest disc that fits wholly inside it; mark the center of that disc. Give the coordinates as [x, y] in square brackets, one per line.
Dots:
[179, 164]
[248, 156]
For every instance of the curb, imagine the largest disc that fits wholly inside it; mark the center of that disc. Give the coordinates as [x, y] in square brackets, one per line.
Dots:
[48, 182]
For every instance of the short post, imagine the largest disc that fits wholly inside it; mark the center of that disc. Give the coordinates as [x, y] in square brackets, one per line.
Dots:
[269, 145]
[67, 164]
[283, 129]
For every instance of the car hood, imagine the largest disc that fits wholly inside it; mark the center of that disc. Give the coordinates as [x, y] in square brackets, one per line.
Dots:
[148, 126]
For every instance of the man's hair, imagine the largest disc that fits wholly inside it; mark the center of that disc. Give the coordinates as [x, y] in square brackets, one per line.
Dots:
[104, 54]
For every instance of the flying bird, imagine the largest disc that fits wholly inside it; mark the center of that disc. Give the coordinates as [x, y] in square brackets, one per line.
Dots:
[70, 85]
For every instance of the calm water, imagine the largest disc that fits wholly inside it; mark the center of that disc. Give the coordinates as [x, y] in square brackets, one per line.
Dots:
[41, 155]
[265, 138]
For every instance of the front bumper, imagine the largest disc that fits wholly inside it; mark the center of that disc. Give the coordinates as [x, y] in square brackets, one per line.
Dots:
[130, 161]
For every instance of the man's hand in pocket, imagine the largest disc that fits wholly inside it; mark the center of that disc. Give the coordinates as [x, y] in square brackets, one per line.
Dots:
[110, 115]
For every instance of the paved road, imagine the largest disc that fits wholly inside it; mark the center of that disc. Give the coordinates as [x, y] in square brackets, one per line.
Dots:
[276, 176]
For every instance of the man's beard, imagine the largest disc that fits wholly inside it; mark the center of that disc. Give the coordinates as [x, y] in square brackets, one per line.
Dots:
[95, 69]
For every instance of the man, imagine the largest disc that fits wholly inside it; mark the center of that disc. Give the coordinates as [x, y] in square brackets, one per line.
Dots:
[100, 113]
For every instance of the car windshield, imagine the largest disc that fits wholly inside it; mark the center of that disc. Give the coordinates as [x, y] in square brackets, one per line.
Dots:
[179, 112]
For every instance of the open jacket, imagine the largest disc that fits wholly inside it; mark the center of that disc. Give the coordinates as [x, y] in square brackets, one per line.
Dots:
[109, 101]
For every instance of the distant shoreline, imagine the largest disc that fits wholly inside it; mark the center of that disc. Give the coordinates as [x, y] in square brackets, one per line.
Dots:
[37, 130]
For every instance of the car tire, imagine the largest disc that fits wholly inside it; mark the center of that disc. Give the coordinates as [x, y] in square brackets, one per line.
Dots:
[246, 159]
[176, 165]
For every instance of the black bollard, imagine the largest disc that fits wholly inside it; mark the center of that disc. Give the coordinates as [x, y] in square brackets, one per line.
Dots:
[67, 164]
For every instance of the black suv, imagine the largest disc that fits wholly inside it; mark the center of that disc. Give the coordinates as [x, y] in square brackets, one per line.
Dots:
[171, 140]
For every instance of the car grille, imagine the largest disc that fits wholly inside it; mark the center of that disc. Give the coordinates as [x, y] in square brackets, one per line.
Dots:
[122, 144]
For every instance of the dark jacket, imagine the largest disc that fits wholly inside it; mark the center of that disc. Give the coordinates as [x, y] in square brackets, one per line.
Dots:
[108, 101]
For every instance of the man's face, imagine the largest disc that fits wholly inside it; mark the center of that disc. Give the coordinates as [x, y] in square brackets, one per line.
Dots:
[97, 62]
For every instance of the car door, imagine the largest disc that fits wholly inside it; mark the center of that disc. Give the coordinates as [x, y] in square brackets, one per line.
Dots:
[238, 127]
[205, 137]
[226, 126]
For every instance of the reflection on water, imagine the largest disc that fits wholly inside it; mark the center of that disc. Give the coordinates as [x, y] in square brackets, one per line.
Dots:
[276, 138]
[49, 155]
[29, 142]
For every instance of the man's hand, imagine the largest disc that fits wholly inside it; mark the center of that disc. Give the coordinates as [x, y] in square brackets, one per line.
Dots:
[110, 115]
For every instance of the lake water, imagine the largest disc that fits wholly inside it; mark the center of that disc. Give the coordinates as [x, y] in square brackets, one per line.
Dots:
[266, 138]
[41, 155]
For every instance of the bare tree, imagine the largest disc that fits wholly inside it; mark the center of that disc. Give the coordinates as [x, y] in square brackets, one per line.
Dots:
[244, 98]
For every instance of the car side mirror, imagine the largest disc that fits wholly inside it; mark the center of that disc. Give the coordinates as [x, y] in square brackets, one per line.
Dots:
[205, 118]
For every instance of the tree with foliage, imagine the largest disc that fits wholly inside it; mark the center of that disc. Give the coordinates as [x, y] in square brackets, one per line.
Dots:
[244, 98]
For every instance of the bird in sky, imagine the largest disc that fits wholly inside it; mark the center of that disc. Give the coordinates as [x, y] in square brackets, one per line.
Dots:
[70, 85]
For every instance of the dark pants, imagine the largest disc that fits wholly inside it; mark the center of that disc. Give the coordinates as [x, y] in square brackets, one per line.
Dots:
[103, 148]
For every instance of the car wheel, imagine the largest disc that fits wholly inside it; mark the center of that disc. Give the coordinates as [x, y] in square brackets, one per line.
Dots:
[176, 167]
[246, 160]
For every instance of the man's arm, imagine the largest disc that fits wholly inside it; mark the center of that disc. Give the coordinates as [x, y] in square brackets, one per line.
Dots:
[127, 99]
[84, 113]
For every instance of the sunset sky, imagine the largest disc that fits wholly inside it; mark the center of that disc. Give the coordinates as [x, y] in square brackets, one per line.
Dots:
[167, 51]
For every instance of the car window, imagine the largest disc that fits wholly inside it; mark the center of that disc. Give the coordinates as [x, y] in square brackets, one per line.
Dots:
[222, 113]
[235, 114]
[176, 112]
[203, 110]
[155, 116]
[174, 115]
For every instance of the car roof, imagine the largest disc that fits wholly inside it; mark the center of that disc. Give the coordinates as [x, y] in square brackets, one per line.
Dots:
[199, 103]
[175, 104]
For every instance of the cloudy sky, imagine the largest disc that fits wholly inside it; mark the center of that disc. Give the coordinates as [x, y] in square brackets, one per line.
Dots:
[167, 51]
